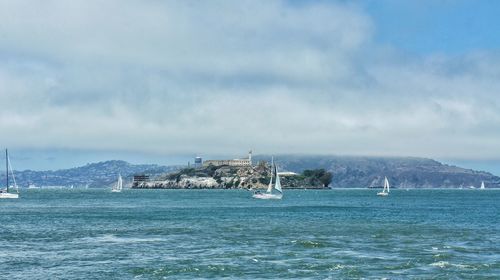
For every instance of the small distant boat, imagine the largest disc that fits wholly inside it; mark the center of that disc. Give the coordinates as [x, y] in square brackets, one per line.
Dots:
[119, 185]
[5, 192]
[269, 194]
[386, 190]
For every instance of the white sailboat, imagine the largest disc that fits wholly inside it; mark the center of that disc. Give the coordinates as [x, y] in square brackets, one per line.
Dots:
[386, 190]
[270, 194]
[119, 185]
[5, 192]
[482, 185]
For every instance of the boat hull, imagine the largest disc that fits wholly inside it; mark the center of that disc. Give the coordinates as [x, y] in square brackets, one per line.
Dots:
[382, 194]
[267, 196]
[9, 195]
[116, 190]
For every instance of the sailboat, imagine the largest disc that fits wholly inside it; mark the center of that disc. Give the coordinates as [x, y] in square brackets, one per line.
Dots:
[482, 185]
[386, 190]
[270, 194]
[119, 185]
[5, 192]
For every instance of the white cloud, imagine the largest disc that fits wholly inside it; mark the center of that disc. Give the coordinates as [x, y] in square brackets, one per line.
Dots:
[223, 76]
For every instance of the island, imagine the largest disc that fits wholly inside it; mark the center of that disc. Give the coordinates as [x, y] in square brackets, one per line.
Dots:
[237, 176]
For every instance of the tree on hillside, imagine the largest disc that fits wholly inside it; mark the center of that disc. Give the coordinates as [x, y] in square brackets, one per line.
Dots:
[326, 179]
[319, 174]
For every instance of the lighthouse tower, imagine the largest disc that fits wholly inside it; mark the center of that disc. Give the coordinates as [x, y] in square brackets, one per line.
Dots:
[250, 157]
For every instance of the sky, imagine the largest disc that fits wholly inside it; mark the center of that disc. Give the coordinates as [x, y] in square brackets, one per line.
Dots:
[162, 81]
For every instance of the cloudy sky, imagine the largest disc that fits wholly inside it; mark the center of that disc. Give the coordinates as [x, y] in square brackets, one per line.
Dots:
[162, 81]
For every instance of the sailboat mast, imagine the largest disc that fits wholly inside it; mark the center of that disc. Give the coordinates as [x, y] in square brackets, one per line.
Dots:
[7, 169]
[272, 164]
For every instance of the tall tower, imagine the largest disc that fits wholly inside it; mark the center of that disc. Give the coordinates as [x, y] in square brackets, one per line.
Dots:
[250, 157]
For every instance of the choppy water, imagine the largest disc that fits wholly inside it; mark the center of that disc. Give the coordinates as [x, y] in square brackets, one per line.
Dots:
[158, 234]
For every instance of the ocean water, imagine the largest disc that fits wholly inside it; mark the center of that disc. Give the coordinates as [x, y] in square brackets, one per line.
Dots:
[224, 234]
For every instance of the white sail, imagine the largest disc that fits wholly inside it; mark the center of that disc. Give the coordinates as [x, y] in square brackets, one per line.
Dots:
[119, 185]
[277, 184]
[120, 182]
[270, 186]
[482, 185]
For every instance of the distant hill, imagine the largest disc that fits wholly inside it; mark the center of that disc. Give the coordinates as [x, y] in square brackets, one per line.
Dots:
[348, 172]
[402, 172]
[99, 174]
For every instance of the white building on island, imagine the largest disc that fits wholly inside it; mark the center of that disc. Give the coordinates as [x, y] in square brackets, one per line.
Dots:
[239, 162]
